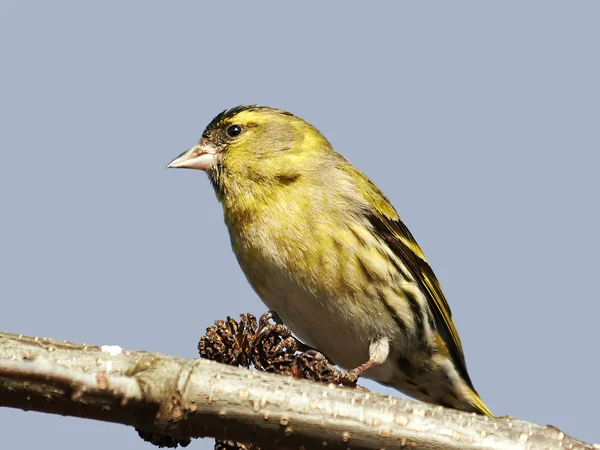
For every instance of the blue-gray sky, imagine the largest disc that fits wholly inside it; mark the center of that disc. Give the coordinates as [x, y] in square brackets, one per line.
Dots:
[478, 119]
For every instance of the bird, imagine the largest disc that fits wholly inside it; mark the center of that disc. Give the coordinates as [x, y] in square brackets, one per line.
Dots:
[324, 248]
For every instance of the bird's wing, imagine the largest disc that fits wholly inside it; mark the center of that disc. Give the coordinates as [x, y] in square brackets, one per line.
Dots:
[399, 239]
[387, 224]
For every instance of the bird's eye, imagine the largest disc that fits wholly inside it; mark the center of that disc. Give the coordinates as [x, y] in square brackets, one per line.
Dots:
[234, 131]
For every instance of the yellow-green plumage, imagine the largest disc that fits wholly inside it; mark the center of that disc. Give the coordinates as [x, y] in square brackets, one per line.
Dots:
[323, 247]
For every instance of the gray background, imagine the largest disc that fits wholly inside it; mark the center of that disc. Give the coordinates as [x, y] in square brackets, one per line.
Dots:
[478, 119]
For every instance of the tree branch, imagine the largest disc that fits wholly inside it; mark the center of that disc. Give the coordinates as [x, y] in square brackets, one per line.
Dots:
[195, 398]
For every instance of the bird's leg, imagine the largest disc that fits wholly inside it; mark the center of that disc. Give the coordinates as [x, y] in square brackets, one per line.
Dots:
[378, 353]
[350, 377]
[357, 372]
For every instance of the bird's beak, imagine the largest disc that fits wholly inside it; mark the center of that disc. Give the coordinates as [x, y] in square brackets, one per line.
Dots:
[199, 157]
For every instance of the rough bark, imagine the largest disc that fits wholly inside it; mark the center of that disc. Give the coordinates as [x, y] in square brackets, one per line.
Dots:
[195, 398]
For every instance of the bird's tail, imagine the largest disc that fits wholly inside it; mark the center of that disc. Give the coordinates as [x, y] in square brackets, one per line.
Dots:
[479, 406]
[443, 385]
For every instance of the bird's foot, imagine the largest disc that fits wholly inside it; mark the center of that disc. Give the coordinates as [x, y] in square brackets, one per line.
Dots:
[346, 378]
[288, 342]
[350, 377]
[265, 327]
[269, 315]
[343, 377]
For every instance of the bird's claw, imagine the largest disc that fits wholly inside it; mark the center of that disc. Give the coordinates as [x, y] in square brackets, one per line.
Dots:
[265, 327]
[350, 378]
[344, 378]
[269, 315]
[288, 342]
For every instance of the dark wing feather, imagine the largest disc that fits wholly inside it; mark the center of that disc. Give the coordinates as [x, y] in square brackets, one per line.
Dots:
[386, 222]
[402, 243]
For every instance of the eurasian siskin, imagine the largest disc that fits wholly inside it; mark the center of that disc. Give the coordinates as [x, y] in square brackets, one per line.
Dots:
[324, 248]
